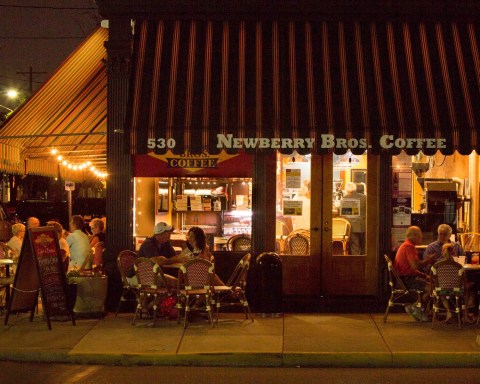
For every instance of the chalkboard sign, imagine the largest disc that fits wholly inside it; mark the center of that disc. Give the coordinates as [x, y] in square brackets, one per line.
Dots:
[40, 269]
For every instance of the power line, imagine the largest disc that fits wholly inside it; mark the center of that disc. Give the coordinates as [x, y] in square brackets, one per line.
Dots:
[48, 7]
[41, 38]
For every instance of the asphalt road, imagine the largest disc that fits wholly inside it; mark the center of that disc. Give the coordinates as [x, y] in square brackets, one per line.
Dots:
[25, 373]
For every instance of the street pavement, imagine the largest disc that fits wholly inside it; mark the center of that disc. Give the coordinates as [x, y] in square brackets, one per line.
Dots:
[291, 340]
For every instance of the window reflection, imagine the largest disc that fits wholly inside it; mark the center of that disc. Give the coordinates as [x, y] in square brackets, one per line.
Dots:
[349, 204]
[293, 204]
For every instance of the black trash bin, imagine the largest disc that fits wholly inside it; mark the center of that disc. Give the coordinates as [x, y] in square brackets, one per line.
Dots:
[269, 270]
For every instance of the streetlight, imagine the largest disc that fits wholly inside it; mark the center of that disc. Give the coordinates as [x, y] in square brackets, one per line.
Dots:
[11, 94]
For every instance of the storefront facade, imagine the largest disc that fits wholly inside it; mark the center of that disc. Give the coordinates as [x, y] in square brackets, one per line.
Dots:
[313, 97]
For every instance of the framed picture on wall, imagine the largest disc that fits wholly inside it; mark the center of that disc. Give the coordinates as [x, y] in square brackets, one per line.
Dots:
[359, 175]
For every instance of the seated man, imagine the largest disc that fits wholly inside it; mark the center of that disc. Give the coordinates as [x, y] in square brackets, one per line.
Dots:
[160, 250]
[444, 232]
[407, 265]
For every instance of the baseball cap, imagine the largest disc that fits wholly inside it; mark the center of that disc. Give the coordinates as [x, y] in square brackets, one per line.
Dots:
[161, 228]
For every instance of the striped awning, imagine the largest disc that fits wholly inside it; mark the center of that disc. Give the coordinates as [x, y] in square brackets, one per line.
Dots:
[68, 113]
[355, 80]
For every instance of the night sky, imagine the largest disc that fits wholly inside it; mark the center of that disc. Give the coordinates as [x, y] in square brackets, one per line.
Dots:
[41, 33]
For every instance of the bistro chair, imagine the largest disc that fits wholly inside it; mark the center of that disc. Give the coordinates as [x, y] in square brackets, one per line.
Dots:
[152, 286]
[125, 262]
[341, 233]
[448, 288]
[298, 243]
[239, 243]
[281, 233]
[400, 295]
[195, 289]
[233, 292]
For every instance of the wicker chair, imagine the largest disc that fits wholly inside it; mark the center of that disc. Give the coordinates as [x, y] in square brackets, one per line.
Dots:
[195, 288]
[233, 292]
[239, 243]
[298, 244]
[152, 286]
[341, 232]
[400, 295]
[448, 288]
[125, 262]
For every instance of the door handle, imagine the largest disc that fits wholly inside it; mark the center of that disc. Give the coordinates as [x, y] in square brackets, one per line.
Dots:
[316, 229]
[326, 229]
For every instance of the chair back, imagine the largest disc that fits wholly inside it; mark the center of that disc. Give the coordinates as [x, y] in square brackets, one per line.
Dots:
[298, 244]
[239, 243]
[196, 274]
[340, 228]
[393, 279]
[238, 276]
[149, 274]
[447, 275]
[470, 241]
[125, 262]
[281, 229]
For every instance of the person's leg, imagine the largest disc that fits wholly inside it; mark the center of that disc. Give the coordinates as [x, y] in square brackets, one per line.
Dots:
[355, 247]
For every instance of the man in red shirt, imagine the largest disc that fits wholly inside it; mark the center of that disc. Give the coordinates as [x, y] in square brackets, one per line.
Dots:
[407, 265]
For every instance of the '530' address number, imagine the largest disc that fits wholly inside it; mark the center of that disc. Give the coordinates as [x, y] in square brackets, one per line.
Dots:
[161, 143]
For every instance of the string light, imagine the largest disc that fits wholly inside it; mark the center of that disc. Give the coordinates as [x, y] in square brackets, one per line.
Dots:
[87, 165]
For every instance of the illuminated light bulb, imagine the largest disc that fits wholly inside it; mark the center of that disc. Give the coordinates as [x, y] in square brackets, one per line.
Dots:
[75, 167]
[54, 151]
[69, 166]
[12, 93]
[59, 157]
[64, 162]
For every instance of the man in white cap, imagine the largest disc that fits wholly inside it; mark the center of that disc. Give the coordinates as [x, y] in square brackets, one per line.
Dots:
[158, 247]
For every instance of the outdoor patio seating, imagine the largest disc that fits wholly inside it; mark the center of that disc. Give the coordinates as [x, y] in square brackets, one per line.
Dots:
[400, 295]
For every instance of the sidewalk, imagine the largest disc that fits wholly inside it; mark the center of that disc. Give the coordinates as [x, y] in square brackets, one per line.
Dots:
[322, 340]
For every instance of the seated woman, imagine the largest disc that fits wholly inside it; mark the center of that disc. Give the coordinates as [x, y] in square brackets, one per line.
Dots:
[15, 242]
[197, 247]
[97, 241]
[448, 251]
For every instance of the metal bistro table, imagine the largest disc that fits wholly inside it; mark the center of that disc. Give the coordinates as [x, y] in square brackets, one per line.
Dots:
[6, 263]
[472, 274]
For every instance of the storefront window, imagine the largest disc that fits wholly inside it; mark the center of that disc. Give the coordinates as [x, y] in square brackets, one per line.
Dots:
[293, 204]
[222, 207]
[349, 204]
[431, 190]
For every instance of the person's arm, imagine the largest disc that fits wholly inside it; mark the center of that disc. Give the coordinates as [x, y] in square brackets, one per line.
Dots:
[412, 257]
[206, 254]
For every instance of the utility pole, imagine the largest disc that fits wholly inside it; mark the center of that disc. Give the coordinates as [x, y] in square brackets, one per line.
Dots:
[31, 73]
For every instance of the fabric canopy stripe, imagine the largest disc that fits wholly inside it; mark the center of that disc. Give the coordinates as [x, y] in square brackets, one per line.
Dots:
[68, 112]
[194, 79]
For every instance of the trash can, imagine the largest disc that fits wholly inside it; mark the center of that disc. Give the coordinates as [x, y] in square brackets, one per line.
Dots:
[269, 268]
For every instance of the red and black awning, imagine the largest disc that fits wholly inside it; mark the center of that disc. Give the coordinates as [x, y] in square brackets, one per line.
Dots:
[195, 79]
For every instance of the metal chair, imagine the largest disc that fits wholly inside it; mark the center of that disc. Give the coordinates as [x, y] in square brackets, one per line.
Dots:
[195, 288]
[152, 286]
[448, 288]
[400, 295]
[298, 243]
[233, 292]
[125, 262]
[341, 232]
[239, 243]
[470, 241]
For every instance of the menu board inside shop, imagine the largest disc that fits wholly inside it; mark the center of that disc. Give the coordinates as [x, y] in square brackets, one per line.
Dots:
[41, 246]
